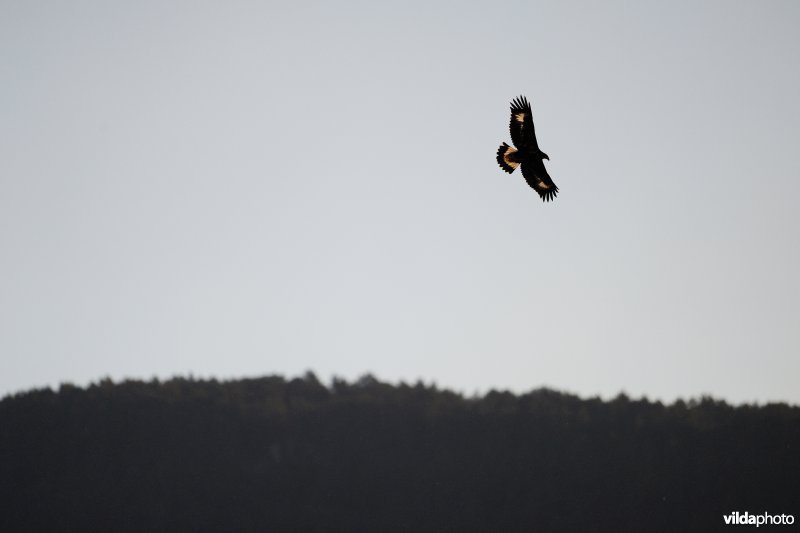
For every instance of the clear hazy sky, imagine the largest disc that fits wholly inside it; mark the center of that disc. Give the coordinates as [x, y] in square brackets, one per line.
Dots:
[241, 188]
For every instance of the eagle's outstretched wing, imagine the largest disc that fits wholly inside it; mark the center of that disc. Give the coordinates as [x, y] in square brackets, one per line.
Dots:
[537, 177]
[521, 127]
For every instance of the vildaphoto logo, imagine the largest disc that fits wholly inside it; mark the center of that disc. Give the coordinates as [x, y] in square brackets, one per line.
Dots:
[764, 519]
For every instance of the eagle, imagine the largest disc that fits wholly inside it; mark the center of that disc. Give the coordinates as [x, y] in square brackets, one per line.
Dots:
[525, 151]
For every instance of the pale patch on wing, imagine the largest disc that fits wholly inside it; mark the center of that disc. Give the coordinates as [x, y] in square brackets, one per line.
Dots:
[543, 185]
[519, 117]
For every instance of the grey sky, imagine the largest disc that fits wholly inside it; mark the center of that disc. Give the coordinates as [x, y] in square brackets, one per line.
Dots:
[241, 188]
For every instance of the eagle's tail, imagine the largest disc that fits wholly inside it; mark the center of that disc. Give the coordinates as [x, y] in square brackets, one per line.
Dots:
[504, 159]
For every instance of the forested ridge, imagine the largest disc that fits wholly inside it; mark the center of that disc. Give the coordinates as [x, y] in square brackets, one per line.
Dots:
[271, 454]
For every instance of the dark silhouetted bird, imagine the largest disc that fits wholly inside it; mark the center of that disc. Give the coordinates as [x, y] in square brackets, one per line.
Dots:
[525, 151]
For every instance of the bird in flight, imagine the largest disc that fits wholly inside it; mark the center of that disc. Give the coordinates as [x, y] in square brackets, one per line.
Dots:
[525, 151]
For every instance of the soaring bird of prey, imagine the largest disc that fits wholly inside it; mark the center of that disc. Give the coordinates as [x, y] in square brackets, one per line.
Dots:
[525, 151]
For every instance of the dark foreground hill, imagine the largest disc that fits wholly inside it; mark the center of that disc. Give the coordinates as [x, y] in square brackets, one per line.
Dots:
[275, 455]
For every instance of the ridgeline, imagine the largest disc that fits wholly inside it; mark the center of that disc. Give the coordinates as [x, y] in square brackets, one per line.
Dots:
[271, 454]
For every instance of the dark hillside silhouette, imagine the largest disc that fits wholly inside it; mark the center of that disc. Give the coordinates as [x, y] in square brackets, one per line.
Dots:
[271, 454]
